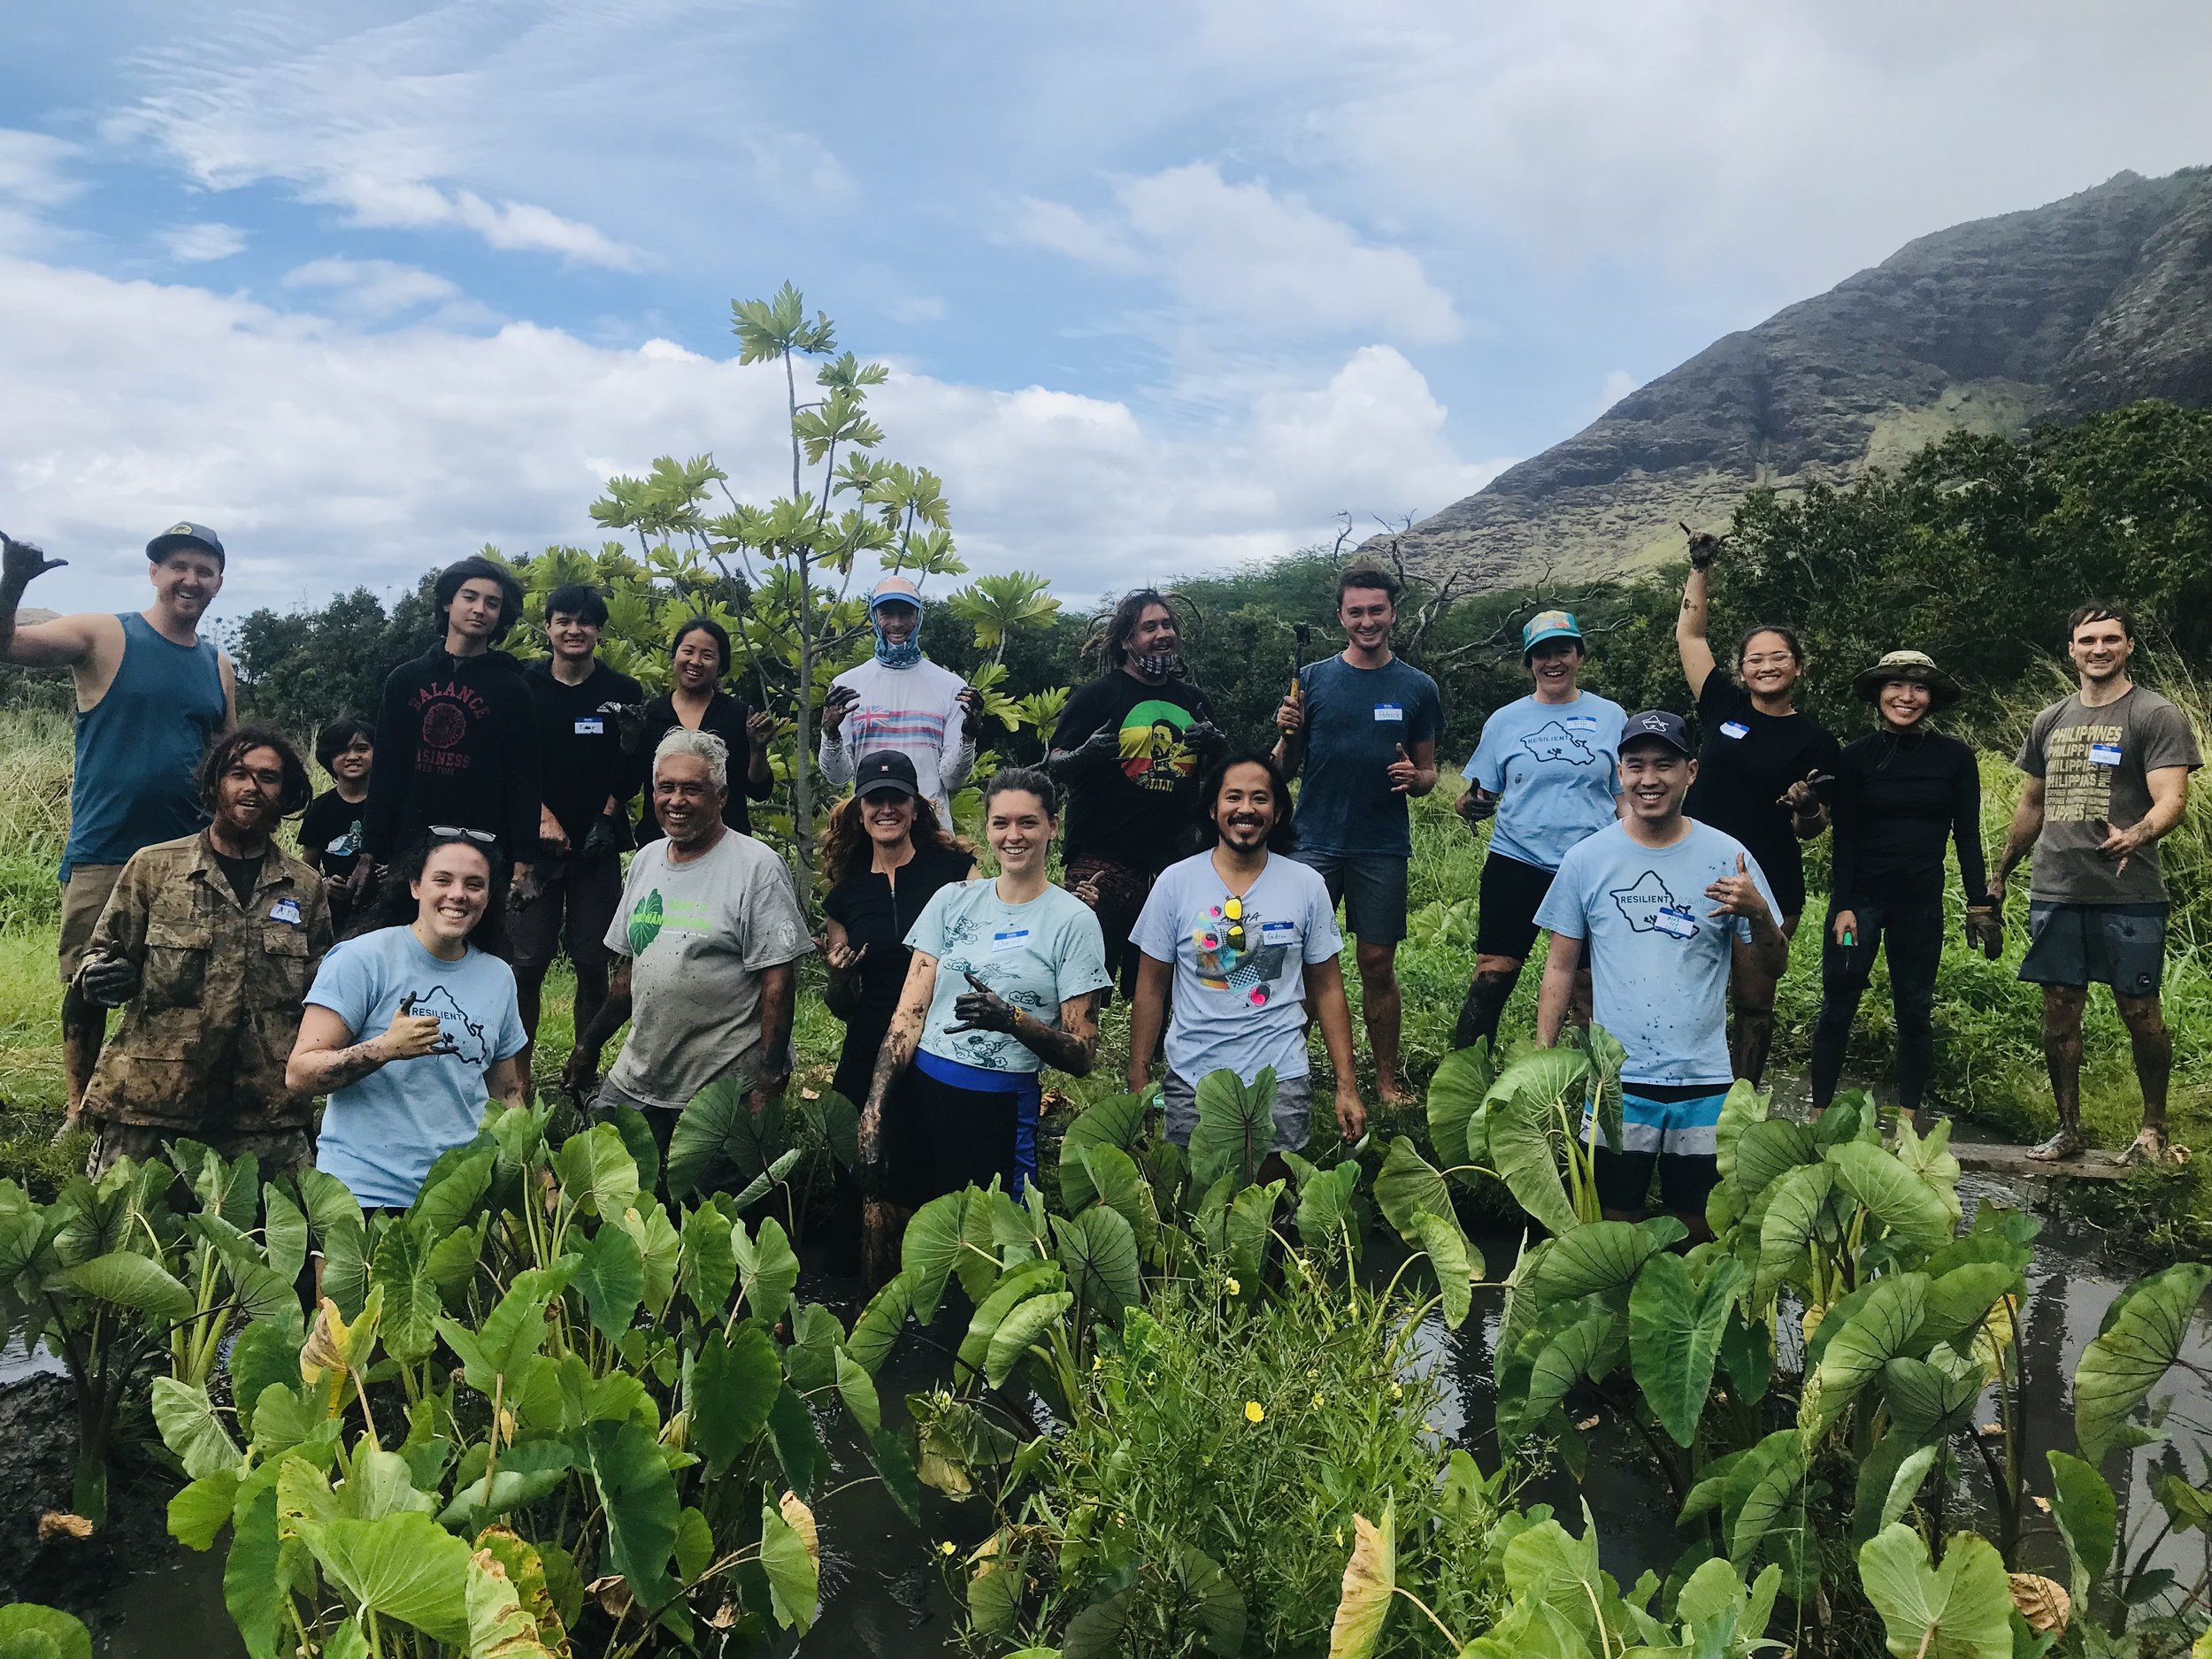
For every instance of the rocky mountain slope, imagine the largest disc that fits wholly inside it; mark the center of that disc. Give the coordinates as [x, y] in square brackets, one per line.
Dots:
[2086, 304]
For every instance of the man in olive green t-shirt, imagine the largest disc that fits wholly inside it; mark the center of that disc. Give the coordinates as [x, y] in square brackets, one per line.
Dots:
[2108, 776]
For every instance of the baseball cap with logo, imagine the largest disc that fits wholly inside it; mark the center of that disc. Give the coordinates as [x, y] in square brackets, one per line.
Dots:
[1548, 625]
[185, 533]
[885, 772]
[1661, 726]
[894, 588]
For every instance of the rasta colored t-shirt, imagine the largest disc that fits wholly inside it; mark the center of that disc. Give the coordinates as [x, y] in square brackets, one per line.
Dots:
[1143, 810]
[2094, 765]
[1746, 760]
[331, 829]
[699, 935]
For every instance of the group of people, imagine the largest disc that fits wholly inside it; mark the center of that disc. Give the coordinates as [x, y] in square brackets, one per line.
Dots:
[476, 828]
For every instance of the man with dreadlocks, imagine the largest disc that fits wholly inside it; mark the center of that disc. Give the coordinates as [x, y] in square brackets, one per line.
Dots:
[1129, 751]
[900, 700]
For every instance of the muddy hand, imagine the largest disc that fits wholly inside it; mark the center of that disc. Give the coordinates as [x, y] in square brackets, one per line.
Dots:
[1803, 795]
[982, 1008]
[24, 562]
[1738, 895]
[412, 1036]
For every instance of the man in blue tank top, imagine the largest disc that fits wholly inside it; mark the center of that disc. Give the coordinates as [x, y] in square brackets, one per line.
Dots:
[150, 694]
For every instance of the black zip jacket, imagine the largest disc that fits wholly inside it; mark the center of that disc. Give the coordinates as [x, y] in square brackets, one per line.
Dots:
[457, 742]
[1897, 801]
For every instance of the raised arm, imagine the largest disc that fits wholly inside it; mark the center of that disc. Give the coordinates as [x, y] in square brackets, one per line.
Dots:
[63, 642]
[1690, 640]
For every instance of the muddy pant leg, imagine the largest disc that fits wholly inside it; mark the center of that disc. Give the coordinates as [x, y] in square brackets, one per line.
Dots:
[1915, 952]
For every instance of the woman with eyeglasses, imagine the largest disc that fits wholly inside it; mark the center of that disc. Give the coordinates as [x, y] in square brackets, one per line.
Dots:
[1004, 980]
[695, 700]
[1762, 765]
[410, 1027]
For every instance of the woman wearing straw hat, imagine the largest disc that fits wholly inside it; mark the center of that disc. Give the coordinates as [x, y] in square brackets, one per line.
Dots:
[1901, 793]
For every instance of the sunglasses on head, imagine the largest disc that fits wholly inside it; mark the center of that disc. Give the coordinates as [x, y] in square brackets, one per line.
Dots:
[454, 833]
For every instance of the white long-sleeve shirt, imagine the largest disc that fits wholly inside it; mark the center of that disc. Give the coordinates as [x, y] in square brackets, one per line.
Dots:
[915, 710]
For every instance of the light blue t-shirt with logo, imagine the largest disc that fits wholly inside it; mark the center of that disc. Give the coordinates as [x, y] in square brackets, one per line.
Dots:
[1556, 766]
[1658, 957]
[1037, 955]
[1239, 997]
[380, 1136]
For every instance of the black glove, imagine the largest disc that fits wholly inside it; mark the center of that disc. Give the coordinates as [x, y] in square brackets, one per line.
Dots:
[1094, 754]
[629, 724]
[109, 981]
[1985, 931]
[1704, 546]
[1207, 740]
[609, 835]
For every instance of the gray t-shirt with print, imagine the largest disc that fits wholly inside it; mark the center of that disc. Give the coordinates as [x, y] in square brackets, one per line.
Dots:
[699, 935]
[1036, 954]
[2093, 763]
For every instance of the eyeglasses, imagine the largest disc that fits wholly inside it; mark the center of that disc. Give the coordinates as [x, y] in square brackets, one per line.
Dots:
[454, 832]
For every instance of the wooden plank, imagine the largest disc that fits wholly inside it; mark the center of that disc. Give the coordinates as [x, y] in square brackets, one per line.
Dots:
[1986, 1159]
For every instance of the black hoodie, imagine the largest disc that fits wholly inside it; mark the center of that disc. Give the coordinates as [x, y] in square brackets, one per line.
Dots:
[457, 742]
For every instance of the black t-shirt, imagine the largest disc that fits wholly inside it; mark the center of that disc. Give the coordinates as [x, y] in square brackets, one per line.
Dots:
[725, 717]
[874, 914]
[331, 829]
[243, 874]
[581, 761]
[1746, 760]
[1143, 811]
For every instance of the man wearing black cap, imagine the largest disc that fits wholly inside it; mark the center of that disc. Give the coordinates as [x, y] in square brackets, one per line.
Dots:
[1665, 907]
[151, 693]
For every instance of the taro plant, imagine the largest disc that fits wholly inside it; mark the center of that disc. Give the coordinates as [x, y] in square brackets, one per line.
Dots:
[786, 1149]
[540, 1406]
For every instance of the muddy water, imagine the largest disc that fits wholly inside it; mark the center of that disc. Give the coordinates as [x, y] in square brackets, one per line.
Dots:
[884, 1594]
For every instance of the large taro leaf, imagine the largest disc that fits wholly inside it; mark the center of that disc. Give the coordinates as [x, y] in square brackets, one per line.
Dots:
[1900, 1199]
[1119, 1184]
[2141, 1338]
[190, 1428]
[1796, 1210]
[1098, 1249]
[804, 1460]
[203, 1508]
[28, 1631]
[929, 1251]
[718, 1136]
[498, 1626]
[283, 1231]
[1767, 1150]
[707, 1267]
[1454, 1102]
[767, 1270]
[1211, 1601]
[659, 1248]
[1370, 1583]
[876, 1333]
[1527, 1108]
[1771, 1508]
[1115, 1122]
[639, 1495]
[1932, 1398]
[524, 1474]
[448, 1197]
[793, 1573]
[1025, 1322]
[1740, 1109]
[1929, 1161]
[402, 1566]
[1962, 1298]
[597, 1173]
[733, 1383]
[1455, 1261]
[253, 1588]
[1251, 1224]
[2087, 1514]
[1589, 1345]
[1327, 1218]
[411, 1302]
[1880, 1329]
[1607, 1056]
[1889, 1478]
[809, 1359]
[1960, 1610]
[1031, 1278]
[512, 1332]
[1675, 1326]
[1236, 1125]
[123, 1279]
[1594, 1256]
[611, 1276]
[1407, 1184]
[1547, 1562]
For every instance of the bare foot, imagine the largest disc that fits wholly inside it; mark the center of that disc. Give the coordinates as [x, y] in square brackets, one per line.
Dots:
[2066, 1143]
[2149, 1147]
[72, 1121]
[1391, 1092]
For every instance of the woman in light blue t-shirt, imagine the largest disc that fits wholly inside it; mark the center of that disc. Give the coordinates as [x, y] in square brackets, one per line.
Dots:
[410, 1028]
[1005, 980]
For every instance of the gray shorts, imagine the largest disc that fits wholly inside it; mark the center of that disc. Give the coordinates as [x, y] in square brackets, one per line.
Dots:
[1371, 887]
[2122, 946]
[1294, 1111]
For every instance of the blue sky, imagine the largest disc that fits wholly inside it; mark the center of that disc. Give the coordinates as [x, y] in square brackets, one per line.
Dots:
[1163, 285]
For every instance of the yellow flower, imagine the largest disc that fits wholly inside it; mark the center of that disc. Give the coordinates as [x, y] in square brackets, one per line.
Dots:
[1254, 1412]
[1396, 1391]
[1234, 1288]
[1317, 1399]
[945, 1548]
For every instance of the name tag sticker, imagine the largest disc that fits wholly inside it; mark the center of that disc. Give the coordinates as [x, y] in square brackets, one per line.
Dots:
[2104, 754]
[1676, 923]
[1012, 940]
[1734, 729]
[286, 910]
[1581, 723]
[590, 726]
[1277, 932]
[1389, 711]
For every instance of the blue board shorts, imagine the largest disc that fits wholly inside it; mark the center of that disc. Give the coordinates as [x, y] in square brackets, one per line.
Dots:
[2122, 946]
[1667, 1129]
[1372, 888]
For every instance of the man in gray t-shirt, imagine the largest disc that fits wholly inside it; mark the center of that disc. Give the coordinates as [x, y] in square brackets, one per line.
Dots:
[706, 935]
[2108, 777]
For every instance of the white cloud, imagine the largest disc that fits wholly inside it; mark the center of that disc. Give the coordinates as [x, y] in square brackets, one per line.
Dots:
[1243, 253]
[201, 243]
[35, 177]
[374, 288]
[330, 455]
[1616, 384]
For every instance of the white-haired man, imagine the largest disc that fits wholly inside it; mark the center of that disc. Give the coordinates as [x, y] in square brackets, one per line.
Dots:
[705, 939]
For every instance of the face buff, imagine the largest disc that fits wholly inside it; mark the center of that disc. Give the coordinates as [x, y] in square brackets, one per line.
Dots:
[897, 653]
[1158, 665]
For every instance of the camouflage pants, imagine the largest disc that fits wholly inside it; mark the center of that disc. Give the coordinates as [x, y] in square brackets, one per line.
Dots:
[279, 1151]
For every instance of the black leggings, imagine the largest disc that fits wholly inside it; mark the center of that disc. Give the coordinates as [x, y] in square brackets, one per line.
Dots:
[1909, 920]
